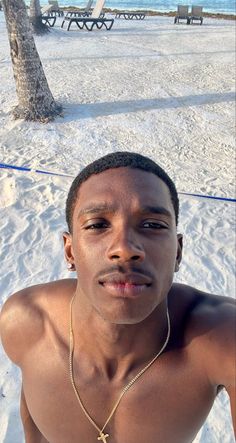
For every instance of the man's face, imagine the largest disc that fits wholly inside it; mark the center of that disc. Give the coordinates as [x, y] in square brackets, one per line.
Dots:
[124, 243]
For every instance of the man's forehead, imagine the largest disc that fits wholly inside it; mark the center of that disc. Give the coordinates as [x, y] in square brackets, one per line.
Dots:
[114, 177]
[126, 182]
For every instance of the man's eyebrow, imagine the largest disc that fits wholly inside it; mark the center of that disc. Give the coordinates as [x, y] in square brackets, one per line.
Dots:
[160, 210]
[96, 209]
[106, 208]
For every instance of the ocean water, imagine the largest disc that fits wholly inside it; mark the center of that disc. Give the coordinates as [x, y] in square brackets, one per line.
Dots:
[224, 6]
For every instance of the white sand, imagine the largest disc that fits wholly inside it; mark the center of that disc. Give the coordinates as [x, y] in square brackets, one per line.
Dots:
[152, 87]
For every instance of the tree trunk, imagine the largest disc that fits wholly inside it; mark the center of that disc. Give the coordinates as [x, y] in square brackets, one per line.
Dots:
[35, 98]
[38, 26]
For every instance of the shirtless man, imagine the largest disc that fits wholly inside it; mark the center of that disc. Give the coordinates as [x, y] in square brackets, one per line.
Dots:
[125, 312]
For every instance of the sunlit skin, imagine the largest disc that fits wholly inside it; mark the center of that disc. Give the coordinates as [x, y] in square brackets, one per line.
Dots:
[125, 249]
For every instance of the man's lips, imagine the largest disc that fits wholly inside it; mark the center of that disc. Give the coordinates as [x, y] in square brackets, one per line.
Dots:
[134, 279]
[128, 285]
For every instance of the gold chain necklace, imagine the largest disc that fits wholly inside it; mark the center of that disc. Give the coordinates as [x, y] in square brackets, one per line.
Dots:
[103, 436]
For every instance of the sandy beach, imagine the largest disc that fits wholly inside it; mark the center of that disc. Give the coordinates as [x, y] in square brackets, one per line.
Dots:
[152, 87]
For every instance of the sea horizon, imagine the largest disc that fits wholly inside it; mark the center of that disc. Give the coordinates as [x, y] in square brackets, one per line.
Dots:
[211, 6]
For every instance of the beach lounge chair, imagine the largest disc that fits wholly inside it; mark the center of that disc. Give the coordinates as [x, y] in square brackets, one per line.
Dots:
[94, 20]
[49, 20]
[46, 10]
[196, 14]
[182, 14]
[56, 8]
[48, 16]
[128, 15]
[86, 12]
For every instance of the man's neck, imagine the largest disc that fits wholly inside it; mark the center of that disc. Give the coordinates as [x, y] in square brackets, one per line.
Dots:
[117, 350]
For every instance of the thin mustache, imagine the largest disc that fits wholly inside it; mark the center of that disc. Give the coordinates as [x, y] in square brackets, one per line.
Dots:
[121, 270]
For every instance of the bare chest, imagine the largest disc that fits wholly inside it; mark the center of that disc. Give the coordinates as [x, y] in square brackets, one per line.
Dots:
[169, 403]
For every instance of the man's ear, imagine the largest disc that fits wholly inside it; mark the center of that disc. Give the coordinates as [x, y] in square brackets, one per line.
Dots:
[179, 251]
[68, 249]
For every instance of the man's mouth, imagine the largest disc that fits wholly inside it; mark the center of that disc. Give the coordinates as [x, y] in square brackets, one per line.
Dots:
[129, 285]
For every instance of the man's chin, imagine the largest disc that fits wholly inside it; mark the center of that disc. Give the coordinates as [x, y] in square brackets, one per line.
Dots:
[124, 314]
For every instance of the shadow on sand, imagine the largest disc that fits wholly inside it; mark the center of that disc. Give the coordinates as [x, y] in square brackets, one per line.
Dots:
[92, 110]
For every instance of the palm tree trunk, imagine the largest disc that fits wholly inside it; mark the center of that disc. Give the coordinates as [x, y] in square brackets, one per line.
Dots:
[35, 98]
[38, 26]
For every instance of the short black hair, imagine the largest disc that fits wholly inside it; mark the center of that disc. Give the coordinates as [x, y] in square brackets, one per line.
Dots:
[118, 160]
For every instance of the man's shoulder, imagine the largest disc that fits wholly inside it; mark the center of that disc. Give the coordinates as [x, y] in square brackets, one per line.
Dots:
[206, 312]
[210, 330]
[22, 319]
[199, 302]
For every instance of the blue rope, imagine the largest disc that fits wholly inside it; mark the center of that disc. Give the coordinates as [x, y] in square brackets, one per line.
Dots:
[40, 171]
[233, 200]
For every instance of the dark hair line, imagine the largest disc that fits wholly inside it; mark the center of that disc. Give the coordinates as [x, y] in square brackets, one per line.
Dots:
[118, 160]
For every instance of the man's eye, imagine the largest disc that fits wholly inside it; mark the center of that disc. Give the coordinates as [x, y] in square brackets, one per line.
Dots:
[99, 225]
[154, 225]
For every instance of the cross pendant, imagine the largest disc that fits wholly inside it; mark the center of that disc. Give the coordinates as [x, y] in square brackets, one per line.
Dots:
[103, 437]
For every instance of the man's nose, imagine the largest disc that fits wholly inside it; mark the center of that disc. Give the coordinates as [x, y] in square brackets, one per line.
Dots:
[126, 247]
